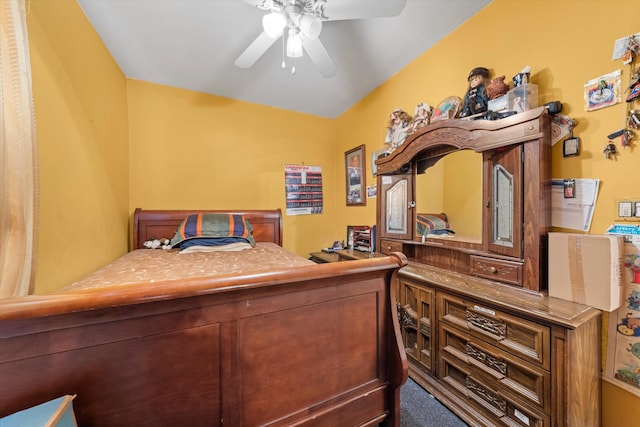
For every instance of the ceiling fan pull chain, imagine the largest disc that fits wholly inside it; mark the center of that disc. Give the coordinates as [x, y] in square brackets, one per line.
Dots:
[283, 63]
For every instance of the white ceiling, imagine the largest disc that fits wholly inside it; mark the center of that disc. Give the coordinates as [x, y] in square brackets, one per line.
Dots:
[192, 44]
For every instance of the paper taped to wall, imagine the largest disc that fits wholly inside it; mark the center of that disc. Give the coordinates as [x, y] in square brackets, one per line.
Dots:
[575, 212]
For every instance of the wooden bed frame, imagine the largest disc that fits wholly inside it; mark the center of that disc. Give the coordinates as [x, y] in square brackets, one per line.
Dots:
[316, 346]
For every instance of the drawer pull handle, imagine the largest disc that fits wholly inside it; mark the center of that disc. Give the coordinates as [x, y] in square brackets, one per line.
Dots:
[489, 396]
[486, 359]
[388, 248]
[493, 270]
[494, 327]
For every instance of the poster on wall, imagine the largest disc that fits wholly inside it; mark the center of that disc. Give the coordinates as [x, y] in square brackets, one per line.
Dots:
[622, 365]
[303, 189]
[603, 91]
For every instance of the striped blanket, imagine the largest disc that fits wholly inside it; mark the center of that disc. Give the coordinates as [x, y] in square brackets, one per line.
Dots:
[212, 229]
[431, 224]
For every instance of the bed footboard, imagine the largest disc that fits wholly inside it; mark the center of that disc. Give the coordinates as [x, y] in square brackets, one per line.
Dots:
[314, 345]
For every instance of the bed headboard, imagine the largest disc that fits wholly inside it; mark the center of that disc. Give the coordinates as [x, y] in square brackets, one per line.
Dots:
[442, 215]
[159, 224]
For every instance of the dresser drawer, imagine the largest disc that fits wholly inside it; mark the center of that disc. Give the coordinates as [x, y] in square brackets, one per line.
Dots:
[496, 269]
[488, 398]
[522, 338]
[528, 382]
[388, 246]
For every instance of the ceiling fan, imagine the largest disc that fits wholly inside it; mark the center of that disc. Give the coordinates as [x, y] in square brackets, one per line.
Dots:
[301, 21]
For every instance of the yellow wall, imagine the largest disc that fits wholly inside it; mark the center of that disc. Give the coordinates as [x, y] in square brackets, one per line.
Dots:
[556, 38]
[190, 150]
[463, 194]
[174, 149]
[81, 117]
[430, 198]
[89, 117]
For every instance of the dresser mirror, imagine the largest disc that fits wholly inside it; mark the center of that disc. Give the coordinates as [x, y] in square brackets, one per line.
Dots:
[490, 179]
[453, 185]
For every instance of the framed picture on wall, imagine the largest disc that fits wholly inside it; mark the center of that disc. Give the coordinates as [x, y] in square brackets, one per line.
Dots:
[375, 156]
[571, 147]
[354, 161]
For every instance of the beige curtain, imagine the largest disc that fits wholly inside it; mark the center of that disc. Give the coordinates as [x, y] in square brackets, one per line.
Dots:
[18, 155]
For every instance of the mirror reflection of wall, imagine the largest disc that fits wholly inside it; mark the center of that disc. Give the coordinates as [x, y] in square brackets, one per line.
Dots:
[454, 186]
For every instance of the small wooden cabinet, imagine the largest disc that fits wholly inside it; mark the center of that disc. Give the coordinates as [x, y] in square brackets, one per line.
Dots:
[479, 330]
[324, 257]
[341, 255]
[416, 310]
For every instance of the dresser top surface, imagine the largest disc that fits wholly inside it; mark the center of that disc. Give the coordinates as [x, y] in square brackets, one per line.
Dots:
[524, 303]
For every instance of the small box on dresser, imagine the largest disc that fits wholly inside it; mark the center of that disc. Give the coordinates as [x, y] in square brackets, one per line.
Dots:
[522, 98]
[586, 269]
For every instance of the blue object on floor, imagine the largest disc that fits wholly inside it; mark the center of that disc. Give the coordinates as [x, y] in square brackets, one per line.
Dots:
[54, 413]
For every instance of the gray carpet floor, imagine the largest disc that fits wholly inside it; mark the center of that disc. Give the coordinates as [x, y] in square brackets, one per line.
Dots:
[418, 408]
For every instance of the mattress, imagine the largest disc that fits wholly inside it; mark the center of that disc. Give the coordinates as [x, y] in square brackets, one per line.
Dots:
[156, 265]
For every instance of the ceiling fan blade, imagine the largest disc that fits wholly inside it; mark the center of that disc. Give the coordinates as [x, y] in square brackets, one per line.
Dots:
[260, 4]
[360, 9]
[319, 56]
[255, 50]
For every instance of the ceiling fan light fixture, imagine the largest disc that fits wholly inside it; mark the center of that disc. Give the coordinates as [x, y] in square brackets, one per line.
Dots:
[294, 44]
[304, 20]
[311, 26]
[273, 24]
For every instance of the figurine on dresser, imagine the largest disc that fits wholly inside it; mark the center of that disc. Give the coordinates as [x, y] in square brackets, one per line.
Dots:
[476, 100]
[399, 128]
[420, 116]
[497, 87]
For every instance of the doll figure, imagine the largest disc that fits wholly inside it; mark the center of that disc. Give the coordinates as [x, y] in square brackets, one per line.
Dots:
[398, 129]
[476, 100]
[421, 116]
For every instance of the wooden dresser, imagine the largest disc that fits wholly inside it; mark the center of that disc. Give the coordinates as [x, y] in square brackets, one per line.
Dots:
[480, 332]
[498, 356]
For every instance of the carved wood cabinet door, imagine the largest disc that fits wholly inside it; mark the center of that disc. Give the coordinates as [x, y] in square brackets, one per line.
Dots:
[503, 178]
[397, 202]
